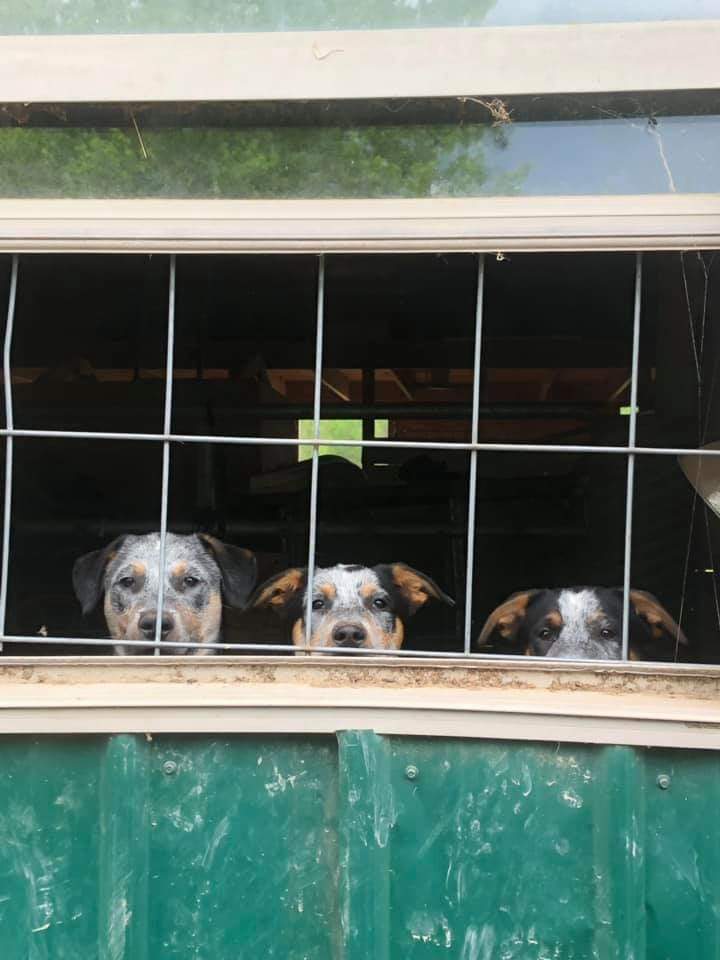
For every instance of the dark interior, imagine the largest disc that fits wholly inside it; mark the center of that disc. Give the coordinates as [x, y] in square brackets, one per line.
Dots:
[89, 354]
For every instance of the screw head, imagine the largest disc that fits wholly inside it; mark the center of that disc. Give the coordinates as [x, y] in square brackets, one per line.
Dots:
[169, 768]
[411, 771]
[663, 781]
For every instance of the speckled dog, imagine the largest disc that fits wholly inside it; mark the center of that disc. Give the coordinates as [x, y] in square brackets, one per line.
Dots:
[582, 623]
[201, 574]
[352, 606]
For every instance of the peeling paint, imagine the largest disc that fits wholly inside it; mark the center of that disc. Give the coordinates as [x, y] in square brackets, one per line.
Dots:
[119, 920]
[572, 799]
[219, 834]
[478, 944]
[281, 783]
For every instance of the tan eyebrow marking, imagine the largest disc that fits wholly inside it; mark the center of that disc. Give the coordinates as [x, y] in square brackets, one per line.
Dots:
[279, 591]
[554, 618]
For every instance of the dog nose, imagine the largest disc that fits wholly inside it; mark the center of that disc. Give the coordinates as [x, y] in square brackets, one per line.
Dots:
[148, 622]
[349, 635]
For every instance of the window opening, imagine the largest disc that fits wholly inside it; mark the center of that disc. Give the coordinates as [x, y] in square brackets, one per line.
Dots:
[495, 426]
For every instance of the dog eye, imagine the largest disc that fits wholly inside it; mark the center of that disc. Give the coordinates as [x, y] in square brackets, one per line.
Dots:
[191, 581]
[544, 633]
[606, 633]
[127, 582]
[318, 604]
[379, 603]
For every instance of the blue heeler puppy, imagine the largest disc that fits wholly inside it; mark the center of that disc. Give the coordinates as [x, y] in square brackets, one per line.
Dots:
[352, 606]
[582, 623]
[201, 574]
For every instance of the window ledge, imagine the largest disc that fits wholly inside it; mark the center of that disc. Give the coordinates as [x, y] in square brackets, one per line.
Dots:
[636, 704]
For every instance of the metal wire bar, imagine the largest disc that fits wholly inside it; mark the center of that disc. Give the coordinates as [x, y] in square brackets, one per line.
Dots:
[7, 506]
[472, 486]
[457, 655]
[379, 444]
[416, 410]
[317, 398]
[167, 422]
[632, 429]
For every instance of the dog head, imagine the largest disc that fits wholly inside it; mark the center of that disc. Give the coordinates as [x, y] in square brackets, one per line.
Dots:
[352, 606]
[582, 623]
[201, 574]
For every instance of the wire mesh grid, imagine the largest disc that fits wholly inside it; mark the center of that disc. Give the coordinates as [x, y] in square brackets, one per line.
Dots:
[167, 438]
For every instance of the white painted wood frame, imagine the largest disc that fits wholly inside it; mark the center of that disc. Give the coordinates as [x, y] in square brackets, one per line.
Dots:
[676, 221]
[362, 64]
[635, 704]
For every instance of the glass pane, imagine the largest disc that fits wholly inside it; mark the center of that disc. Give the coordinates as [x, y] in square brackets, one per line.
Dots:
[525, 158]
[88, 349]
[147, 16]
[557, 348]
[72, 497]
[544, 522]
[678, 395]
[253, 498]
[675, 557]
[402, 522]
[398, 351]
[245, 347]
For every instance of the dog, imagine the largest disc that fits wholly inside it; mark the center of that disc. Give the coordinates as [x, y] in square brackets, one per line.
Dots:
[353, 607]
[574, 623]
[201, 574]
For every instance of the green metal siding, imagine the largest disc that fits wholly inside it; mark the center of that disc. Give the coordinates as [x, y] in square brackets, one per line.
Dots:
[363, 846]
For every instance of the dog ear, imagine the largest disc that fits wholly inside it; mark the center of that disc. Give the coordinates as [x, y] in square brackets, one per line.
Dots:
[279, 592]
[89, 572]
[414, 587]
[238, 568]
[507, 618]
[661, 624]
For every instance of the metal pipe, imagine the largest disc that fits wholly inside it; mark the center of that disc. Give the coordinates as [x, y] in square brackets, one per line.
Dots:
[378, 444]
[539, 663]
[317, 399]
[7, 506]
[424, 411]
[630, 486]
[167, 423]
[282, 527]
[472, 486]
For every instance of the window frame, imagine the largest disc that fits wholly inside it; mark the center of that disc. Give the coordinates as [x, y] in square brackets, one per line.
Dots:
[643, 704]
[622, 702]
[473, 225]
[670, 705]
[361, 64]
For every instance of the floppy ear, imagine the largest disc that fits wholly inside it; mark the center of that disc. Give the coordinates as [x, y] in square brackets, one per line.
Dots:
[279, 592]
[414, 587]
[507, 618]
[88, 574]
[237, 566]
[661, 624]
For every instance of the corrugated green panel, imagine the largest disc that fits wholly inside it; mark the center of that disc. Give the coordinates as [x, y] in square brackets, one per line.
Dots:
[532, 851]
[126, 848]
[49, 847]
[243, 859]
[682, 855]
